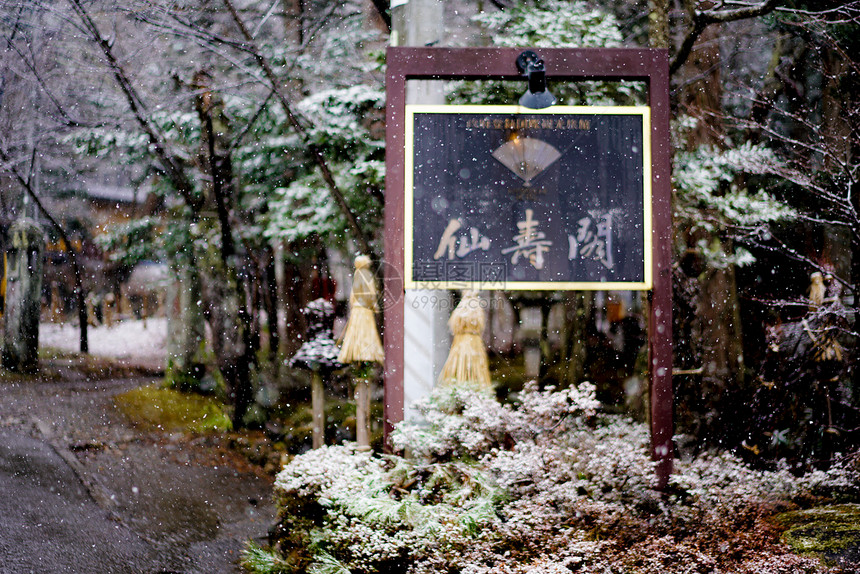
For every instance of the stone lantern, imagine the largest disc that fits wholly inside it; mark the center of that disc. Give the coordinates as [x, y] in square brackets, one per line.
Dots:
[24, 256]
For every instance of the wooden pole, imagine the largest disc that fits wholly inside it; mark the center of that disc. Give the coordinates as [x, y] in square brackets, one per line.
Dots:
[362, 413]
[318, 406]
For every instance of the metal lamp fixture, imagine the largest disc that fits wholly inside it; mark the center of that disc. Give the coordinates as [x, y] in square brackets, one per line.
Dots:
[537, 96]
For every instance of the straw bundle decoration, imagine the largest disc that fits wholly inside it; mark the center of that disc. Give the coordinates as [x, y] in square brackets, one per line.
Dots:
[360, 341]
[817, 290]
[467, 360]
[821, 322]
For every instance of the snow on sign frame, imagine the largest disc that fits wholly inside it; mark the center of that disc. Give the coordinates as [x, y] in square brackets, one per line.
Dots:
[504, 197]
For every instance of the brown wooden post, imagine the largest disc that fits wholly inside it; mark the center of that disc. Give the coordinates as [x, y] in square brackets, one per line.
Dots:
[660, 322]
[612, 64]
[393, 288]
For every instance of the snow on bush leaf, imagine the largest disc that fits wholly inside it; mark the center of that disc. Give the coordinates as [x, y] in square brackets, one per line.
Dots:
[493, 488]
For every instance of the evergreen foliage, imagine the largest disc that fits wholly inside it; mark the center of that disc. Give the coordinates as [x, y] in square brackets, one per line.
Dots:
[557, 24]
[710, 203]
[549, 482]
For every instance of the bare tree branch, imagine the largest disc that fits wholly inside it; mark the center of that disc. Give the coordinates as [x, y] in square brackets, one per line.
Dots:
[703, 19]
[16, 27]
[208, 40]
[785, 249]
[174, 171]
[238, 139]
[811, 148]
[850, 11]
[265, 18]
[275, 84]
[501, 4]
[67, 119]
[187, 29]
[32, 169]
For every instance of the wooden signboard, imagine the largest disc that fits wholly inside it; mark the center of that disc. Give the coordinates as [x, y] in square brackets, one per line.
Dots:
[501, 197]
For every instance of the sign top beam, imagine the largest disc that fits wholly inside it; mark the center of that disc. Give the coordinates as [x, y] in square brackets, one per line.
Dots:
[612, 64]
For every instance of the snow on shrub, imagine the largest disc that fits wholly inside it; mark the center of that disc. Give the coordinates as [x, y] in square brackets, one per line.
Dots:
[547, 485]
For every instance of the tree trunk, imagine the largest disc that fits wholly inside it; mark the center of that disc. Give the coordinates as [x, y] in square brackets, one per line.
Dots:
[701, 97]
[722, 350]
[254, 296]
[658, 23]
[577, 310]
[717, 304]
[80, 295]
[362, 412]
[227, 318]
[294, 21]
[271, 302]
[297, 295]
[185, 329]
[223, 284]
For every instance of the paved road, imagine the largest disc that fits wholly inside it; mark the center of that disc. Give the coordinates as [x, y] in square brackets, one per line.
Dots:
[82, 492]
[49, 522]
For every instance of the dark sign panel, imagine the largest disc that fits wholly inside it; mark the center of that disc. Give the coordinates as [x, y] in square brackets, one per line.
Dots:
[545, 199]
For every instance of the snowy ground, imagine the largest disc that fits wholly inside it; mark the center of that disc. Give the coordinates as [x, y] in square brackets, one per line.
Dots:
[134, 341]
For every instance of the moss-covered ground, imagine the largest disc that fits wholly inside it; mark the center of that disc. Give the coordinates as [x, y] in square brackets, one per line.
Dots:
[832, 532]
[156, 408]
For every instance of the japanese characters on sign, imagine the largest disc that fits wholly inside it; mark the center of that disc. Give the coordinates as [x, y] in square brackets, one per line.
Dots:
[547, 199]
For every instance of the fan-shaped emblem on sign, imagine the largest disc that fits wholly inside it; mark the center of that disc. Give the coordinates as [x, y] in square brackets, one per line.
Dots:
[526, 157]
